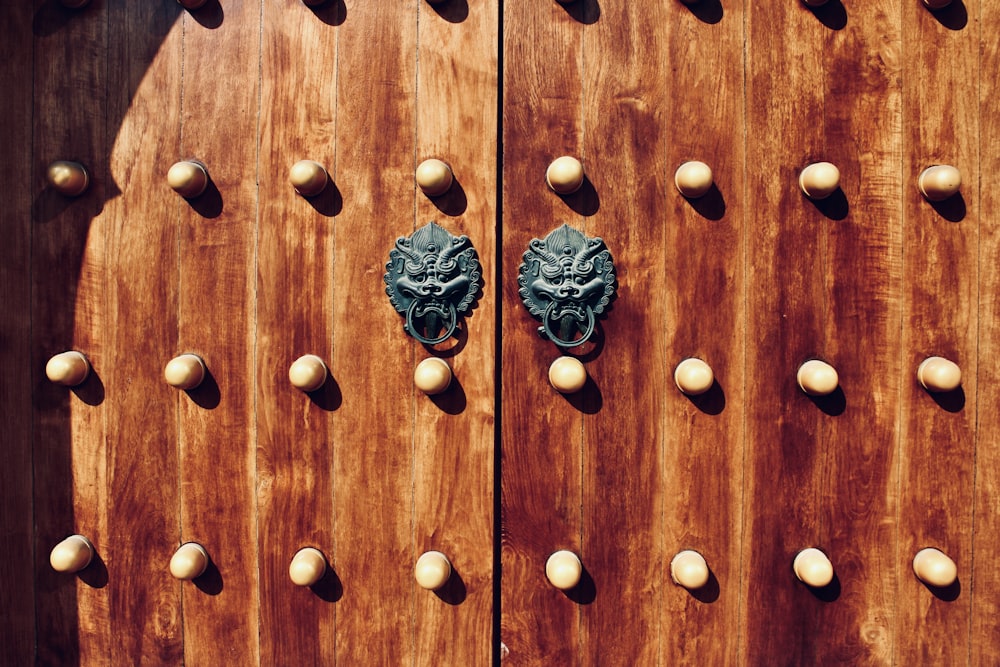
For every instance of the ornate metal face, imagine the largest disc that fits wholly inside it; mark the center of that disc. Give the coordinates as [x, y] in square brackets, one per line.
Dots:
[431, 278]
[567, 279]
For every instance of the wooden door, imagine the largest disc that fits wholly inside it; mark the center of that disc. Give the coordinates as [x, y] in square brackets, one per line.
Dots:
[248, 276]
[501, 470]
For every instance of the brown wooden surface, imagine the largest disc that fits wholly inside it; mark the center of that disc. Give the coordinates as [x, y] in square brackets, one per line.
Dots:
[17, 571]
[754, 280]
[984, 573]
[453, 433]
[702, 257]
[142, 303]
[67, 313]
[542, 434]
[216, 320]
[372, 357]
[940, 317]
[295, 304]
[623, 444]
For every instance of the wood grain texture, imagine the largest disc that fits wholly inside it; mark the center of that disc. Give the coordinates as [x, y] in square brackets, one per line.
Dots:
[862, 266]
[68, 285]
[372, 356]
[985, 576]
[702, 255]
[17, 580]
[143, 122]
[295, 306]
[216, 310]
[940, 317]
[625, 136]
[787, 316]
[542, 431]
[453, 433]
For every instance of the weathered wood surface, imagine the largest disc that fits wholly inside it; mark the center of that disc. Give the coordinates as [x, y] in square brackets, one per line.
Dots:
[702, 257]
[453, 433]
[68, 312]
[941, 283]
[983, 573]
[17, 184]
[142, 222]
[295, 305]
[754, 279]
[542, 431]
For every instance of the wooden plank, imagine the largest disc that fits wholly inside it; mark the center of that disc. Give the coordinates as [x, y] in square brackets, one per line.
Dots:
[940, 317]
[68, 283]
[453, 434]
[143, 122]
[702, 255]
[295, 305]
[985, 577]
[625, 134]
[862, 269]
[541, 493]
[217, 246]
[17, 580]
[372, 356]
[786, 325]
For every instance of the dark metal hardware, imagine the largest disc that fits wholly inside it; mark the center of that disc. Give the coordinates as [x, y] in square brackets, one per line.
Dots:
[432, 277]
[567, 279]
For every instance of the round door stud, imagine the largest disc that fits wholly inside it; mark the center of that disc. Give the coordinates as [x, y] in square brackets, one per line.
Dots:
[72, 554]
[434, 177]
[693, 377]
[66, 177]
[432, 571]
[567, 375]
[309, 178]
[813, 568]
[188, 178]
[307, 567]
[817, 378]
[565, 175]
[689, 569]
[563, 569]
[937, 374]
[934, 568]
[939, 182]
[68, 368]
[189, 561]
[185, 372]
[819, 180]
[693, 179]
[307, 373]
[432, 376]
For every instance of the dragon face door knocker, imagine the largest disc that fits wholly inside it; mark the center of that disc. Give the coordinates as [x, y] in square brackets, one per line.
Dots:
[432, 278]
[566, 280]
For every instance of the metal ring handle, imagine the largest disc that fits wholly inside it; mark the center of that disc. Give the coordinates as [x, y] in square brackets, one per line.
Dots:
[591, 320]
[452, 316]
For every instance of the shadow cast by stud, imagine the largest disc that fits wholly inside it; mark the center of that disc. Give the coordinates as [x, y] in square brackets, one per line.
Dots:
[706, 11]
[332, 12]
[953, 16]
[452, 11]
[453, 592]
[832, 14]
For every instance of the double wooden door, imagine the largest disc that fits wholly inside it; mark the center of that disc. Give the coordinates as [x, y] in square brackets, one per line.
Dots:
[501, 470]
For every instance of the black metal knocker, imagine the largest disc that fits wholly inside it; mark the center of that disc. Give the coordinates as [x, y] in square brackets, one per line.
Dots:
[566, 280]
[432, 278]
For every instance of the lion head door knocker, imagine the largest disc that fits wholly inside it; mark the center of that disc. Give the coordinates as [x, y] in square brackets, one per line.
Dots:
[567, 280]
[432, 278]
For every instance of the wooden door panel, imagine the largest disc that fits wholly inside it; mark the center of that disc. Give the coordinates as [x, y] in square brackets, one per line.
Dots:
[541, 431]
[142, 216]
[755, 278]
[295, 317]
[17, 595]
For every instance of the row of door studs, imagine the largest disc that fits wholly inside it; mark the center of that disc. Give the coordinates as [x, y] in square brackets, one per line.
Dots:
[565, 176]
[563, 569]
[192, 5]
[567, 375]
